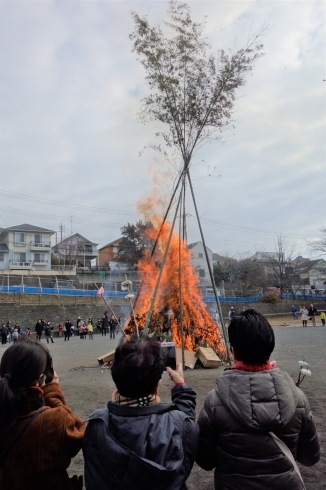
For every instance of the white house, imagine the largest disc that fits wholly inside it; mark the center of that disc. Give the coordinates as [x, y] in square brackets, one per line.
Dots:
[25, 247]
[198, 260]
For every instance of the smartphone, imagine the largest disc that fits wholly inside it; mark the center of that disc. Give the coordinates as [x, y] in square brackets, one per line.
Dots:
[170, 354]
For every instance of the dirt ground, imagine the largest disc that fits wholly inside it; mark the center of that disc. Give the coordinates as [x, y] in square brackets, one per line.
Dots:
[87, 386]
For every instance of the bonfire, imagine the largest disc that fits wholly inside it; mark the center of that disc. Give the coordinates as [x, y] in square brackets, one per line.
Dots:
[198, 327]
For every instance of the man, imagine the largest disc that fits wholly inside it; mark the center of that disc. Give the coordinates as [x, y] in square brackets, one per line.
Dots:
[4, 332]
[104, 324]
[312, 314]
[39, 329]
[48, 333]
[294, 312]
[68, 326]
[232, 313]
[113, 325]
[255, 417]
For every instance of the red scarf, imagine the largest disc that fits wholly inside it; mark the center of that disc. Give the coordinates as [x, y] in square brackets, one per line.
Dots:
[255, 368]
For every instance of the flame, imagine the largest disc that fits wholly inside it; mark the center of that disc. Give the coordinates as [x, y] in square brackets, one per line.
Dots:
[198, 326]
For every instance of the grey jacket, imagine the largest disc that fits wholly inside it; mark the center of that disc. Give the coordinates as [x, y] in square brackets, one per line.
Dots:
[235, 423]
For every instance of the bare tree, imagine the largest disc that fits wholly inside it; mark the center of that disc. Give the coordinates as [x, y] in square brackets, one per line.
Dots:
[319, 245]
[278, 264]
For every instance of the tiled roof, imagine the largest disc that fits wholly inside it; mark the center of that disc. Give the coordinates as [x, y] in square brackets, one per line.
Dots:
[27, 227]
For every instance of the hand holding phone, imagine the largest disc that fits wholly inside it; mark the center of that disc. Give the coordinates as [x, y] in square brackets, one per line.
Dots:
[170, 354]
[177, 375]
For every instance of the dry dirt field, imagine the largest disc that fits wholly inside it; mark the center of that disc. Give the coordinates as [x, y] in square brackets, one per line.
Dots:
[87, 386]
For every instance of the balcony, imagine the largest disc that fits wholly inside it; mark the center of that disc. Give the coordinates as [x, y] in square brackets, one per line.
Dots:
[40, 262]
[20, 265]
[40, 246]
[20, 244]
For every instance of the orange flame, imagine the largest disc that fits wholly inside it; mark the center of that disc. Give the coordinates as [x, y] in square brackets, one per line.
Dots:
[198, 326]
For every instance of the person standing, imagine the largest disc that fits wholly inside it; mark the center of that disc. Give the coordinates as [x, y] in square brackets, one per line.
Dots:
[304, 316]
[113, 325]
[15, 335]
[67, 330]
[323, 318]
[104, 324]
[294, 312]
[90, 329]
[4, 332]
[256, 421]
[39, 329]
[98, 325]
[312, 314]
[60, 329]
[48, 333]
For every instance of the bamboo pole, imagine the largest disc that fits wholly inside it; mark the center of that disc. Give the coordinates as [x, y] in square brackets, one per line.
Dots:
[107, 304]
[180, 284]
[210, 270]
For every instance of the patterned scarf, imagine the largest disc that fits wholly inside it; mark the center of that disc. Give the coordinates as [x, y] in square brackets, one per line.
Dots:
[143, 401]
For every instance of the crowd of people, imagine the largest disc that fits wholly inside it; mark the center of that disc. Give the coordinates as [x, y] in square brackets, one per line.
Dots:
[252, 427]
[83, 329]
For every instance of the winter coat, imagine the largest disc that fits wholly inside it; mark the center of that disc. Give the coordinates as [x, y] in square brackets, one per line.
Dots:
[142, 448]
[40, 459]
[234, 431]
[312, 311]
[304, 314]
[39, 328]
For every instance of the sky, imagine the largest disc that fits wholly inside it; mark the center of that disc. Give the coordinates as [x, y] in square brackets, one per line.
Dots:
[70, 140]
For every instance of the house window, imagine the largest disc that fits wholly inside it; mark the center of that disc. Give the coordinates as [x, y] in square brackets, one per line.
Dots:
[201, 272]
[19, 238]
[2, 256]
[88, 249]
[39, 257]
[200, 256]
[19, 257]
[38, 239]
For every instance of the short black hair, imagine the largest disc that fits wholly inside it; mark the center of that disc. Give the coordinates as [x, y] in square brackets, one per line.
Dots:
[137, 367]
[252, 337]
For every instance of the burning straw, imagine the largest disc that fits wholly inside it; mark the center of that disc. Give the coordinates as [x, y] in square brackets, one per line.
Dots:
[198, 326]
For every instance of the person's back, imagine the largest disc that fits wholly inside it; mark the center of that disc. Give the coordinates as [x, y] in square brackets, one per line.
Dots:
[137, 442]
[39, 434]
[250, 401]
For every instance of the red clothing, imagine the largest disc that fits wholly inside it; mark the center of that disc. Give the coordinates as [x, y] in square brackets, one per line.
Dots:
[40, 459]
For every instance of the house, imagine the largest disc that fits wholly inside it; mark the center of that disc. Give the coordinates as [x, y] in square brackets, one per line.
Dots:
[311, 272]
[198, 260]
[76, 250]
[109, 252]
[25, 247]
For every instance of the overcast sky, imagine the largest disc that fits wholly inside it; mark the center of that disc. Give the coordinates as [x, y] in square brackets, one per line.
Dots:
[70, 141]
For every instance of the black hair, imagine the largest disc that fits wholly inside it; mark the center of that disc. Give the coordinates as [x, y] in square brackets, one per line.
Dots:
[137, 367]
[252, 337]
[21, 365]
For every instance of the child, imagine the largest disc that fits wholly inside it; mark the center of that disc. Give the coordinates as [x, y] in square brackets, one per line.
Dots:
[323, 317]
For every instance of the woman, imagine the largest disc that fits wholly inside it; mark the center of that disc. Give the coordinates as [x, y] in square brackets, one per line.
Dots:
[137, 442]
[38, 432]
[252, 404]
[304, 316]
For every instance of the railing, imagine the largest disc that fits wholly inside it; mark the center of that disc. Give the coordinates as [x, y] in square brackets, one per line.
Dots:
[20, 265]
[40, 262]
[20, 244]
[40, 245]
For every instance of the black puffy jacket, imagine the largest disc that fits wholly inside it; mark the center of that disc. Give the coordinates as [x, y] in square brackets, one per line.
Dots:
[142, 448]
[234, 431]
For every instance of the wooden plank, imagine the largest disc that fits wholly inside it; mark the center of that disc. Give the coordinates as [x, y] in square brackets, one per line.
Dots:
[106, 358]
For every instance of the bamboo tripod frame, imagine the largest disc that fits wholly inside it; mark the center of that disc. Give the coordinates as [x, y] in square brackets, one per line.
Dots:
[184, 175]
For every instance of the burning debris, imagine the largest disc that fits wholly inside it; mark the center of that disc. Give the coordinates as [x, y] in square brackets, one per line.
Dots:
[198, 327]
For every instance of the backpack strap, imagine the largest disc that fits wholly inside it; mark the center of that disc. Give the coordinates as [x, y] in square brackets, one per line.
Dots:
[20, 435]
[283, 447]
